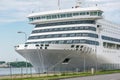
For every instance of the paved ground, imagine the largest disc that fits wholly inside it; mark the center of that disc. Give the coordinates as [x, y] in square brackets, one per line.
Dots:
[98, 77]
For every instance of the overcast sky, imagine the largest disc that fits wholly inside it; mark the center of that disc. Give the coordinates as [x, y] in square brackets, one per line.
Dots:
[13, 19]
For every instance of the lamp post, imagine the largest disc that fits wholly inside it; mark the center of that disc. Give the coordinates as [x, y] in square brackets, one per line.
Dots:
[20, 32]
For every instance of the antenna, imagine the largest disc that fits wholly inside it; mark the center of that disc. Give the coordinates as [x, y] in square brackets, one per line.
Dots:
[96, 2]
[78, 3]
[59, 4]
[39, 6]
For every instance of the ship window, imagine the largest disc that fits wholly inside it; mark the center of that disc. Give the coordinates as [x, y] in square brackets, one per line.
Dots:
[30, 19]
[62, 15]
[45, 47]
[49, 17]
[75, 14]
[25, 45]
[61, 42]
[82, 13]
[72, 46]
[78, 34]
[83, 41]
[58, 16]
[54, 16]
[40, 47]
[84, 34]
[41, 44]
[118, 46]
[64, 35]
[69, 42]
[93, 13]
[76, 41]
[81, 46]
[37, 45]
[69, 15]
[77, 46]
[72, 35]
[111, 45]
[87, 13]
[35, 18]
[70, 28]
[99, 13]
[43, 17]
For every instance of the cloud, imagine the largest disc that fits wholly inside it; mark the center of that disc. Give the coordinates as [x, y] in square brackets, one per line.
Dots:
[17, 10]
[105, 4]
[112, 6]
[14, 10]
[102, 0]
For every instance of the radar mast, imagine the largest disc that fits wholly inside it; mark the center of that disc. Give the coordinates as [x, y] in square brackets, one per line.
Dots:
[78, 4]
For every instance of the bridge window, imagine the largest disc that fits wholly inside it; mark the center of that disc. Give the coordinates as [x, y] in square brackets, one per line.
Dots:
[75, 14]
[63, 15]
[99, 13]
[50, 16]
[54, 16]
[82, 13]
[69, 15]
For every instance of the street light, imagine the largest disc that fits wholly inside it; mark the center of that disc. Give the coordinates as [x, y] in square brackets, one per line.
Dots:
[20, 32]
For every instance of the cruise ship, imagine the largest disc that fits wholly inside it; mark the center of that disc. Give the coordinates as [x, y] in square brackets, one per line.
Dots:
[75, 39]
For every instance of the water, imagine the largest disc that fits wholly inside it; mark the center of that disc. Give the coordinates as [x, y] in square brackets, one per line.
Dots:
[9, 71]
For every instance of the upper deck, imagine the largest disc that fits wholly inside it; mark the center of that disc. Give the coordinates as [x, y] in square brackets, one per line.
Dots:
[66, 14]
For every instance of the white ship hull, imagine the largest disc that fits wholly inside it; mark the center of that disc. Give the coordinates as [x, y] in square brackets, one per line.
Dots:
[47, 60]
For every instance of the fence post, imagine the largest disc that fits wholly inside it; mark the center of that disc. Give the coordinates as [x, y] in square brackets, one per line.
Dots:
[21, 72]
[39, 71]
[31, 71]
[10, 72]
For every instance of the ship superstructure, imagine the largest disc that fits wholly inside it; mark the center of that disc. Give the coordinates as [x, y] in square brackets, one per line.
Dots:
[72, 39]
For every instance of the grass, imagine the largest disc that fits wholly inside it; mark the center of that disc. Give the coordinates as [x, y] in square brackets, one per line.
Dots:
[66, 75]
